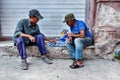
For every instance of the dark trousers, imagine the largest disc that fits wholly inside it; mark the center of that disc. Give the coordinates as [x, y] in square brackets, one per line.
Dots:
[21, 45]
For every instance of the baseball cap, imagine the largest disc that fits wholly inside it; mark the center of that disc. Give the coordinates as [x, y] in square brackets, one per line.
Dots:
[68, 17]
[36, 13]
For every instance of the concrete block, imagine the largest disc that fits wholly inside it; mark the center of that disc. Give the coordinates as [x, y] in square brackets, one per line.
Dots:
[91, 52]
[55, 52]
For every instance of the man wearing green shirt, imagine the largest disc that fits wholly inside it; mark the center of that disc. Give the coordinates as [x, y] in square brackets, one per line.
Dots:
[27, 33]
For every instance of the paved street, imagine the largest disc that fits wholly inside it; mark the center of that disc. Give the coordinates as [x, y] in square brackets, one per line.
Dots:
[93, 70]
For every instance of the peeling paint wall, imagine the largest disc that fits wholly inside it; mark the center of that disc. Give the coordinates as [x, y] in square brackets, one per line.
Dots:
[107, 28]
[108, 16]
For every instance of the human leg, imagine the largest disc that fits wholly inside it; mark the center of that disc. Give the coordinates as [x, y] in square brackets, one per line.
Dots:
[80, 43]
[41, 45]
[71, 48]
[20, 44]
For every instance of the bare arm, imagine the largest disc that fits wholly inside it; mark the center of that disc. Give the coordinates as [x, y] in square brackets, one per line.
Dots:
[47, 39]
[28, 36]
[81, 34]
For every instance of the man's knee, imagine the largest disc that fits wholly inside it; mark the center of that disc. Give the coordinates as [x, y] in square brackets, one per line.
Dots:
[19, 40]
[39, 37]
[79, 40]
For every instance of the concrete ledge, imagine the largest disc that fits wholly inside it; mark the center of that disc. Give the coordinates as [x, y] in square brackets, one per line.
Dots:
[56, 52]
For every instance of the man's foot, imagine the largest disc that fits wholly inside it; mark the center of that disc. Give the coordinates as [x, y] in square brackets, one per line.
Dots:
[45, 59]
[77, 64]
[24, 65]
[48, 56]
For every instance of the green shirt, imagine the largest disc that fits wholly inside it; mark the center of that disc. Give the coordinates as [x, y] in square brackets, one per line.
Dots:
[25, 27]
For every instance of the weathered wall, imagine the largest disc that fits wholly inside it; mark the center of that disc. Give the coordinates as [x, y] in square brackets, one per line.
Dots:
[107, 27]
[108, 16]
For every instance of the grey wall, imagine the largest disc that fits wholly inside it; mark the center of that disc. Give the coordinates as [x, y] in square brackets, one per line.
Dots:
[11, 11]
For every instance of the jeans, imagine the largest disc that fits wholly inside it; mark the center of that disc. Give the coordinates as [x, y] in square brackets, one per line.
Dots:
[76, 47]
[21, 45]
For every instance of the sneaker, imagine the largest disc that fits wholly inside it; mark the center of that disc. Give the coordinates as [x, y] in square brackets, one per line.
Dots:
[45, 59]
[24, 65]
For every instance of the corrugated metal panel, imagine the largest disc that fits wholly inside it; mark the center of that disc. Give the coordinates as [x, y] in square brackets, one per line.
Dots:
[11, 11]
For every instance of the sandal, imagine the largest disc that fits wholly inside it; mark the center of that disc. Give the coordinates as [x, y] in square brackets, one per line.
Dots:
[75, 65]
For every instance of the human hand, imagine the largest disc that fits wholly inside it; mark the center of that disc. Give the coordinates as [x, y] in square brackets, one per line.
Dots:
[71, 34]
[53, 41]
[32, 39]
[69, 39]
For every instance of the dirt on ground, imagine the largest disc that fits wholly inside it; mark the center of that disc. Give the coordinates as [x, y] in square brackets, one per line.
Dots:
[97, 69]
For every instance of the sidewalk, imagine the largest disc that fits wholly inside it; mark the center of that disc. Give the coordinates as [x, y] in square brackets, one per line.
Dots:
[98, 69]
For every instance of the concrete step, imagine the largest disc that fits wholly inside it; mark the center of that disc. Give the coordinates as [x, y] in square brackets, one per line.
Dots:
[7, 48]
